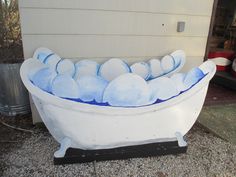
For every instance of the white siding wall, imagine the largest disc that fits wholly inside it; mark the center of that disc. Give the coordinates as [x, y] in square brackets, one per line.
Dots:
[131, 29]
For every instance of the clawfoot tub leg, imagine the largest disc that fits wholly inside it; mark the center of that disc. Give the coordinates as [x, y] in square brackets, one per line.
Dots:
[180, 138]
[65, 144]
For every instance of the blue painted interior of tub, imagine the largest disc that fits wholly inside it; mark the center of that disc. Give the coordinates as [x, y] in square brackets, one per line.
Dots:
[176, 65]
[106, 104]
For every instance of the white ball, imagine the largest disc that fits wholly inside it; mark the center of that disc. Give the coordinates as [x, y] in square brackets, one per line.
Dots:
[91, 88]
[167, 64]
[41, 53]
[178, 79]
[127, 90]
[142, 69]
[113, 68]
[86, 68]
[65, 66]
[65, 86]
[43, 79]
[52, 61]
[179, 57]
[162, 88]
[155, 68]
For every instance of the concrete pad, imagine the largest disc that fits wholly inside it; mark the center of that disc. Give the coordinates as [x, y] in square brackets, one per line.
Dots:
[221, 120]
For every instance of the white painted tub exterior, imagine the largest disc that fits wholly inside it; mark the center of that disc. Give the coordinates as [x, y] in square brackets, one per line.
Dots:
[99, 127]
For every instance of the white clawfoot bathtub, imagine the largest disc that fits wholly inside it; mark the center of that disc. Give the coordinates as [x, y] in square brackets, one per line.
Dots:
[84, 126]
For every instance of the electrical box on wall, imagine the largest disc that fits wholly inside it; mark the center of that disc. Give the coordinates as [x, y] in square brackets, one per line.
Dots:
[180, 26]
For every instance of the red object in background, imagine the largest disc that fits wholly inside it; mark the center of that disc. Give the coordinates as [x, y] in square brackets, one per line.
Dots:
[225, 54]
[223, 68]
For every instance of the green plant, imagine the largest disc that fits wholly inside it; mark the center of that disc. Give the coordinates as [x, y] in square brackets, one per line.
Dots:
[10, 34]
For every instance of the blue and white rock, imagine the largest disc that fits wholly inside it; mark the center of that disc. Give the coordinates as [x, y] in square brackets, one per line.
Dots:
[179, 57]
[41, 53]
[178, 79]
[155, 68]
[91, 88]
[52, 61]
[42, 56]
[86, 68]
[127, 90]
[34, 70]
[192, 77]
[162, 88]
[113, 68]
[167, 64]
[43, 79]
[65, 66]
[142, 69]
[65, 86]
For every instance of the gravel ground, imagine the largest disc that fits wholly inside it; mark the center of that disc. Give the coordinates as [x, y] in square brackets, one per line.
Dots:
[25, 154]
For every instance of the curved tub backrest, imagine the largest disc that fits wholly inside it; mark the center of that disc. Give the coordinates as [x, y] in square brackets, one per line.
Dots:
[208, 67]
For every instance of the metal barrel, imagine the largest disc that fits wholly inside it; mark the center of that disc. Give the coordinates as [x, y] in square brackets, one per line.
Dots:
[14, 98]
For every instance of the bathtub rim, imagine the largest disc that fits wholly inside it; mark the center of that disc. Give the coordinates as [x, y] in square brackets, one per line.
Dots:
[48, 98]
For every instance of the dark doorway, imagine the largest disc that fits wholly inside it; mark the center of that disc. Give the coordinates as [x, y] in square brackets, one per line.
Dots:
[221, 46]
